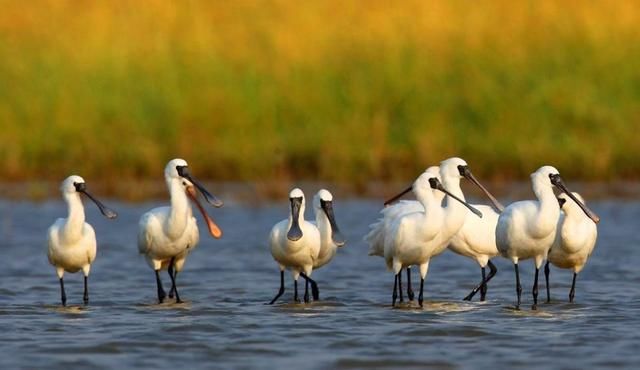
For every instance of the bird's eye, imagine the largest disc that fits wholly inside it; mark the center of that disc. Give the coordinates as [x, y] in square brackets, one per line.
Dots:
[184, 183]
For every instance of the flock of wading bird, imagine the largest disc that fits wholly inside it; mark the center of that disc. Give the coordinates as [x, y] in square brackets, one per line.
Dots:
[557, 229]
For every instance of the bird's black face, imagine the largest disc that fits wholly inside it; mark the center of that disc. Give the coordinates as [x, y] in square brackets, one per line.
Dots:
[463, 170]
[80, 186]
[434, 182]
[183, 171]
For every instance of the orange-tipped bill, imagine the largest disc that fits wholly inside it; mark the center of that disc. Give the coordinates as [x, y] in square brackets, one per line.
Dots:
[214, 230]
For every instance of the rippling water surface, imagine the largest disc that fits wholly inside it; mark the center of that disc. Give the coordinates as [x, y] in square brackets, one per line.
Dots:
[225, 324]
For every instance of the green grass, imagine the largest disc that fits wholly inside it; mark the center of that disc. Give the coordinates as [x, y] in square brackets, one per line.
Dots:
[319, 90]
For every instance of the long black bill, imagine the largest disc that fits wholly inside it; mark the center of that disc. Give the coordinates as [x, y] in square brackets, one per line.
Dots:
[557, 181]
[295, 232]
[398, 196]
[106, 211]
[336, 235]
[466, 172]
[436, 184]
[183, 171]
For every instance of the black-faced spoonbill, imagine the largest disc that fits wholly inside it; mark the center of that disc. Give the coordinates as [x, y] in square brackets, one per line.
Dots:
[415, 238]
[72, 242]
[476, 239]
[295, 244]
[527, 229]
[574, 242]
[378, 230]
[330, 235]
[167, 234]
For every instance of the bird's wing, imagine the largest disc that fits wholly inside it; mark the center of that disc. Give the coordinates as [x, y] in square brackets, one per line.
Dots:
[145, 234]
[376, 235]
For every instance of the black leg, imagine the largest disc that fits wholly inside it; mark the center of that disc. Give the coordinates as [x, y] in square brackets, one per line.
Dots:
[306, 291]
[281, 291]
[63, 295]
[477, 288]
[295, 291]
[482, 287]
[420, 296]
[173, 281]
[546, 279]
[410, 294]
[572, 292]
[315, 292]
[400, 285]
[394, 296]
[492, 272]
[534, 291]
[518, 286]
[161, 293]
[172, 276]
[85, 296]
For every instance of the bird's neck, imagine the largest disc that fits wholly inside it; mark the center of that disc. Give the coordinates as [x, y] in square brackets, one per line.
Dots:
[455, 212]
[75, 219]
[548, 211]
[324, 226]
[180, 210]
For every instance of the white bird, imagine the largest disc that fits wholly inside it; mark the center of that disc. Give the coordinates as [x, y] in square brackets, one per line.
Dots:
[295, 244]
[476, 239]
[574, 242]
[415, 238]
[330, 236]
[166, 235]
[379, 229]
[72, 242]
[527, 229]
[463, 242]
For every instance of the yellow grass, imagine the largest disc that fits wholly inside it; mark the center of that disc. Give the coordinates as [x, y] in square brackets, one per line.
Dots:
[333, 90]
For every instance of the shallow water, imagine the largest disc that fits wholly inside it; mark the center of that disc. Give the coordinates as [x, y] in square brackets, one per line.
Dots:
[225, 324]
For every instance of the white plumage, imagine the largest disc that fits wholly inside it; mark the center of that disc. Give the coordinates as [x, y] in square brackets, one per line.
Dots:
[168, 234]
[415, 238]
[527, 229]
[72, 241]
[330, 236]
[295, 244]
[476, 239]
[574, 241]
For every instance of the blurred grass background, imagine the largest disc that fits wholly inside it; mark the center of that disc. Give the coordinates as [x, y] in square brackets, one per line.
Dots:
[346, 91]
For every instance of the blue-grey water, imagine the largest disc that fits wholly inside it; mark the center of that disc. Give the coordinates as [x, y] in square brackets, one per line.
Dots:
[225, 324]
